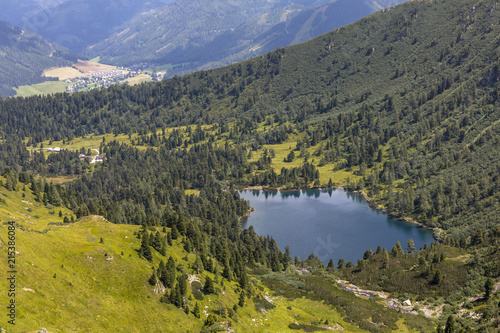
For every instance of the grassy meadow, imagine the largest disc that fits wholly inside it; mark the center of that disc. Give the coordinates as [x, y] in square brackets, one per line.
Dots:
[44, 88]
[63, 73]
[68, 280]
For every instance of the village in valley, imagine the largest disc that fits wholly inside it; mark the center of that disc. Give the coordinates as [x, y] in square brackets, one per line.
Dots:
[106, 78]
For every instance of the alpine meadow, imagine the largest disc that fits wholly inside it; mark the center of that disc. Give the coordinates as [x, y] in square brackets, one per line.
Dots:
[401, 107]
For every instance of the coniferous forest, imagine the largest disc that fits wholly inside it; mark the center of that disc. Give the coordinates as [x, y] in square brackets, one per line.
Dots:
[404, 104]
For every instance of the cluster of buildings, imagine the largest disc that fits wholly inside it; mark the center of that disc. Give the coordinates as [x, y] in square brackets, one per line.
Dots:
[96, 159]
[98, 79]
[82, 157]
[108, 78]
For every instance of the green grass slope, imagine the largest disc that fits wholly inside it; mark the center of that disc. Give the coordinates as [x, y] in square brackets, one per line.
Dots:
[68, 280]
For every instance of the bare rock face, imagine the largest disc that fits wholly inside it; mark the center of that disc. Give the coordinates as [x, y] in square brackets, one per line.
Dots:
[43, 330]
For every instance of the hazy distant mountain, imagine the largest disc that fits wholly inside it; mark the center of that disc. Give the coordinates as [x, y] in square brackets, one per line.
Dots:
[75, 24]
[24, 56]
[195, 34]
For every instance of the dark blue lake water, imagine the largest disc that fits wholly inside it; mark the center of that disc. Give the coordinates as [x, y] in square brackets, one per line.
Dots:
[331, 224]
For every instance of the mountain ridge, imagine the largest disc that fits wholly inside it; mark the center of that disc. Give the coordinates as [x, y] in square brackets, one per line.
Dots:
[238, 36]
[402, 106]
[25, 56]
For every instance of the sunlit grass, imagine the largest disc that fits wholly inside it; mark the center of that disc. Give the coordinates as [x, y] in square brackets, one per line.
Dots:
[44, 88]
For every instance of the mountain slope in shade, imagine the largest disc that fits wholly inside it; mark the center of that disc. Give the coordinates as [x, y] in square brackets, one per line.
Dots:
[25, 56]
[192, 34]
[75, 24]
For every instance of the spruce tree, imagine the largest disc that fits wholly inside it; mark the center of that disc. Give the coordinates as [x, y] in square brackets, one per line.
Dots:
[145, 249]
[438, 277]
[182, 281]
[241, 300]
[171, 272]
[175, 233]
[385, 262]
[489, 286]
[450, 325]
[163, 249]
[226, 273]
[209, 286]
[157, 241]
[153, 279]
[196, 310]
[411, 246]
[341, 264]
[162, 273]
[175, 296]
[243, 279]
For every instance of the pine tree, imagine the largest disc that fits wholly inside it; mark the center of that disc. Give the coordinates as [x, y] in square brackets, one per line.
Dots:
[243, 279]
[341, 264]
[170, 272]
[196, 310]
[411, 246]
[174, 233]
[385, 262]
[182, 281]
[450, 325]
[162, 273]
[169, 238]
[489, 287]
[145, 249]
[175, 296]
[330, 264]
[163, 249]
[209, 286]
[241, 300]
[226, 273]
[55, 198]
[157, 241]
[397, 249]
[438, 277]
[153, 279]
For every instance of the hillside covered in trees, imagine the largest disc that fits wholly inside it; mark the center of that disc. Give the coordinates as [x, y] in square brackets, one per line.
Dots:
[189, 35]
[25, 56]
[404, 104]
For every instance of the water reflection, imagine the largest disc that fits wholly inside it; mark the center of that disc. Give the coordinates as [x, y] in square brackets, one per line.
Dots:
[329, 223]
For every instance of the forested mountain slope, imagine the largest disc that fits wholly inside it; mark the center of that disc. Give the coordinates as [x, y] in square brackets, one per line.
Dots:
[191, 35]
[74, 24]
[417, 83]
[403, 105]
[24, 56]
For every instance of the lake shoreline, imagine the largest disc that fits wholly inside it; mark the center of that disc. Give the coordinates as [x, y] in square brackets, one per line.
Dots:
[436, 231]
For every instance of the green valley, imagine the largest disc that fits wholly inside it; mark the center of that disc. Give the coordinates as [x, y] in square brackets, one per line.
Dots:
[401, 106]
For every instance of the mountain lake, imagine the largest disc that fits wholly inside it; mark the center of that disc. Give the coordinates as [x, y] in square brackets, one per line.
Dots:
[331, 224]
